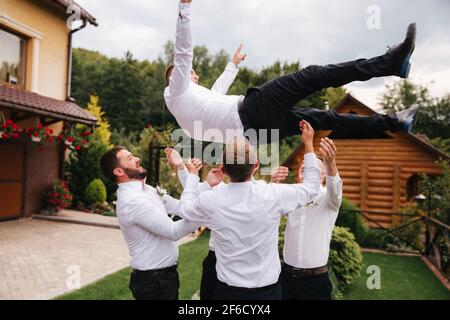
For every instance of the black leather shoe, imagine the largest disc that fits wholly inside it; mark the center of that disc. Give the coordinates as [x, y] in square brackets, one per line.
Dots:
[402, 52]
[407, 118]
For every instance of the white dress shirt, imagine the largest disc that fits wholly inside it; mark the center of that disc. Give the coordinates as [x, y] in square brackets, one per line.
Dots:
[309, 228]
[147, 229]
[194, 106]
[245, 218]
[204, 186]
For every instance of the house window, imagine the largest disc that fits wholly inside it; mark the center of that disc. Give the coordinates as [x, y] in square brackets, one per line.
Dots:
[12, 58]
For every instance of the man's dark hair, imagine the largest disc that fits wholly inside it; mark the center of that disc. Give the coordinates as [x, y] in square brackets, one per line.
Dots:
[109, 162]
[238, 160]
[169, 73]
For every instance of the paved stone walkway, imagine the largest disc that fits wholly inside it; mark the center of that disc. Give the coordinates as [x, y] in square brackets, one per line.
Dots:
[38, 258]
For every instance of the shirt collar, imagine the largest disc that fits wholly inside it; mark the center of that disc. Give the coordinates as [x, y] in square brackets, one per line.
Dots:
[133, 185]
[240, 184]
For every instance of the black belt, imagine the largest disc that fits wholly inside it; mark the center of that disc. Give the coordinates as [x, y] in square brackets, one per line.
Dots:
[156, 271]
[270, 286]
[304, 273]
[243, 115]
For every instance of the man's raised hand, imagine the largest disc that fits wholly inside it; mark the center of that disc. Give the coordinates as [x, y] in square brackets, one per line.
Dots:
[238, 57]
[194, 166]
[279, 174]
[173, 158]
[215, 176]
[328, 151]
[307, 135]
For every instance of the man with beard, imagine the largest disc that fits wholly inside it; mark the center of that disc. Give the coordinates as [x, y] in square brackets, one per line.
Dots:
[147, 229]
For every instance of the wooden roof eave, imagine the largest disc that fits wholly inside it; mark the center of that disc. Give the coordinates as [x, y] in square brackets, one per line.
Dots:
[17, 107]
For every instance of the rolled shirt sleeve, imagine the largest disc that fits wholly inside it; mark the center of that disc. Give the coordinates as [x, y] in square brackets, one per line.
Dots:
[293, 196]
[334, 191]
[154, 220]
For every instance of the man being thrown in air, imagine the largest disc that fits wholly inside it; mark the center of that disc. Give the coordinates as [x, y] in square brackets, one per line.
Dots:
[272, 105]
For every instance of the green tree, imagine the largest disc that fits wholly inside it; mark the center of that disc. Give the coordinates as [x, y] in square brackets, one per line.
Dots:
[334, 95]
[434, 113]
[103, 133]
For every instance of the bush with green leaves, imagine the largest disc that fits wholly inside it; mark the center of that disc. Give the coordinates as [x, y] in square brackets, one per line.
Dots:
[437, 191]
[83, 167]
[345, 260]
[350, 217]
[95, 193]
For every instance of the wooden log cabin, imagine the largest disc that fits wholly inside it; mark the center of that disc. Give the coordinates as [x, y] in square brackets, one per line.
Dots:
[380, 171]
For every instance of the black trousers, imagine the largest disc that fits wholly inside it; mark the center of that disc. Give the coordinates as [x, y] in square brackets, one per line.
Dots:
[226, 292]
[160, 284]
[309, 288]
[271, 106]
[209, 277]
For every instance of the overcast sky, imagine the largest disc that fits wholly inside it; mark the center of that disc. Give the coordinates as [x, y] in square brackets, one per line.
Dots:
[312, 32]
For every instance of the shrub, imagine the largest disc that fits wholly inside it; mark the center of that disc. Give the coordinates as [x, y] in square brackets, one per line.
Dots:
[345, 260]
[412, 235]
[58, 196]
[353, 221]
[83, 167]
[437, 191]
[95, 192]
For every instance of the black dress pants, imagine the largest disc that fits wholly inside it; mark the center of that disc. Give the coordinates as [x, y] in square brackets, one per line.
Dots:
[161, 284]
[209, 277]
[272, 106]
[309, 288]
[226, 292]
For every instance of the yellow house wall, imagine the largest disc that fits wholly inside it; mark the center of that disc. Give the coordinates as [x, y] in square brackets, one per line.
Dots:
[51, 24]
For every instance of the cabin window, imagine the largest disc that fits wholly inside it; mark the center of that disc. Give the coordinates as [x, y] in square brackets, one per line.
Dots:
[412, 187]
[12, 58]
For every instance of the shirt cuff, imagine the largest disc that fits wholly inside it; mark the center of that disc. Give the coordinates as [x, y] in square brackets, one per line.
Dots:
[232, 67]
[310, 159]
[191, 182]
[184, 12]
[184, 6]
[183, 172]
[335, 182]
[204, 187]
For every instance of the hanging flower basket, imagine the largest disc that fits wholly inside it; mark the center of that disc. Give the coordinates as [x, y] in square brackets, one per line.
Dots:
[68, 141]
[36, 139]
[38, 133]
[8, 129]
[75, 139]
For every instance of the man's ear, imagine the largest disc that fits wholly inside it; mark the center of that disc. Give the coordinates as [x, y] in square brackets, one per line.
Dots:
[118, 172]
[222, 169]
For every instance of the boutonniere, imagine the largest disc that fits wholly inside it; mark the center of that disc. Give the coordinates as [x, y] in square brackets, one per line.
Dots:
[311, 203]
[161, 191]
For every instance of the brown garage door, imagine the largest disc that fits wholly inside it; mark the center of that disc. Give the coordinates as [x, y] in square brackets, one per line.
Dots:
[11, 180]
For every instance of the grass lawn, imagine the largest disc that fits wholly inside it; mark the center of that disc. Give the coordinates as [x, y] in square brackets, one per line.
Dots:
[401, 278]
[405, 278]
